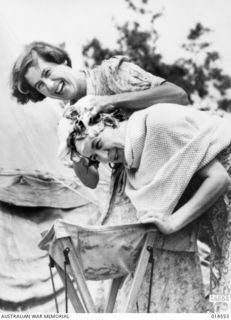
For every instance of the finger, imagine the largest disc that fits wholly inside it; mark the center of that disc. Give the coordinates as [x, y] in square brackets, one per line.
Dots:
[148, 215]
[146, 220]
[98, 109]
[94, 112]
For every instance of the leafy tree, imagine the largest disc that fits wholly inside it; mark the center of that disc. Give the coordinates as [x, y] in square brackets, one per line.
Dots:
[205, 78]
[198, 72]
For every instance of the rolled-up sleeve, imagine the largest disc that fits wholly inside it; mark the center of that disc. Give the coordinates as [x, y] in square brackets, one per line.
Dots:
[125, 76]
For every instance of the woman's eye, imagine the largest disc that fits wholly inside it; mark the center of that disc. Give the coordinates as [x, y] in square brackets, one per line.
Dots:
[98, 145]
[47, 73]
[40, 85]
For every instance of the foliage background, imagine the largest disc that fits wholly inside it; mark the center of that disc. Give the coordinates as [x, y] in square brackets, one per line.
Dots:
[198, 71]
[185, 41]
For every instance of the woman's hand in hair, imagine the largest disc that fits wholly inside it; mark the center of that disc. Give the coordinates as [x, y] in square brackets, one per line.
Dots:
[94, 104]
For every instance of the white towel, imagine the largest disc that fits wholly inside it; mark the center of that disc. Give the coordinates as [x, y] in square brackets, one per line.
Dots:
[168, 143]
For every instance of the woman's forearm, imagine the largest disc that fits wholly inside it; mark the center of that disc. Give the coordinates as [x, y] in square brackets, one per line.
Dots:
[165, 93]
[208, 193]
[216, 181]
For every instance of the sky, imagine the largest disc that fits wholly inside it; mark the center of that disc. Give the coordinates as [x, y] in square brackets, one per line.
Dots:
[78, 21]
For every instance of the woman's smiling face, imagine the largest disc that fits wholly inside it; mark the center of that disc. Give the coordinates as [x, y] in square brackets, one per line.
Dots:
[57, 81]
[105, 146]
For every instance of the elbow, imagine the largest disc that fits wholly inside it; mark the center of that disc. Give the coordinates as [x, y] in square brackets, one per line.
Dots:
[179, 95]
[182, 97]
[224, 182]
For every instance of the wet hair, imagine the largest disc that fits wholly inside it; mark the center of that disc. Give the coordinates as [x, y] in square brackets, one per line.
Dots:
[80, 130]
[20, 88]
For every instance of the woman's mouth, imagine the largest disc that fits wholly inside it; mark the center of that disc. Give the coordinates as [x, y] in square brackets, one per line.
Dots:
[59, 89]
[113, 155]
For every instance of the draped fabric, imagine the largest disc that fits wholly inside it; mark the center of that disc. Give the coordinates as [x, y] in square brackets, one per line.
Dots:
[105, 252]
[164, 152]
[217, 223]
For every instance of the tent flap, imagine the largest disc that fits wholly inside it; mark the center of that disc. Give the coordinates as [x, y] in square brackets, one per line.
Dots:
[31, 191]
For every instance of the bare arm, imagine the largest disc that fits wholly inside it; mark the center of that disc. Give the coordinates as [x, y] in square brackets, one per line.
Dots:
[89, 176]
[167, 92]
[135, 100]
[216, 181]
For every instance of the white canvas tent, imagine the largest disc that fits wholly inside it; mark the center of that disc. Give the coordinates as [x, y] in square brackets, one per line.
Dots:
[33, 193]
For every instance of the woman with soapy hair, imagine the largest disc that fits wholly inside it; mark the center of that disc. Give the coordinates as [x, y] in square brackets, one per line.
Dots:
[161, 155]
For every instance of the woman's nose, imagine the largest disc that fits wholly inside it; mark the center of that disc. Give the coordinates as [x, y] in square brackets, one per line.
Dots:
[102, 156]
[49, 83]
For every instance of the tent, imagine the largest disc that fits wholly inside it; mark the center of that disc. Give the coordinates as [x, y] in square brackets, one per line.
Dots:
[35, 189]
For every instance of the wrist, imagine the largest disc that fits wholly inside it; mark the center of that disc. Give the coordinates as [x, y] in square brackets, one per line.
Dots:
[109, 104]
[115, 100]
[174, 223]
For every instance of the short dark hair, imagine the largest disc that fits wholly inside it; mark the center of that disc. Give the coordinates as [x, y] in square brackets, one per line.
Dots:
[21, 89]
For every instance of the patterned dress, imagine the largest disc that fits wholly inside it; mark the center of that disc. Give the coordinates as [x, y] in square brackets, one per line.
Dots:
[177, 281]
[217, 223]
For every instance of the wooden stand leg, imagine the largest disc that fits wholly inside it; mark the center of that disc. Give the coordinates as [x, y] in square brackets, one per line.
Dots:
[72, 294]
[86, 304]
[115, 285]
[139, 273]
[79, 276]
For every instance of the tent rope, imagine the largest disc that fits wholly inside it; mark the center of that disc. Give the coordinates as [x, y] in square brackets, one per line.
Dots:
[151, 261]
[66, 262]
[51, 265]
